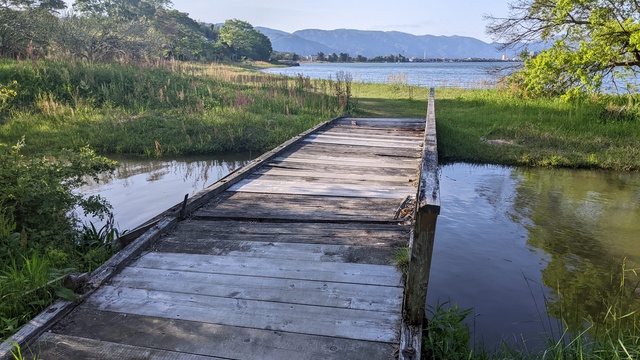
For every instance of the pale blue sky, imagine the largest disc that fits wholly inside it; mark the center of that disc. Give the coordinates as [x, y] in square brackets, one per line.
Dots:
[433, 17]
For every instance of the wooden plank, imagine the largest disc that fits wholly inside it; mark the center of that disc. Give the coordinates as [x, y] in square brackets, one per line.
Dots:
[239, 205]
[326, 160]
[261, 185]
[228, 342]
[344, 169]
[302, 319]
[383, 275]
[382, 123]
[203, 234]
[53, 346]
[380, 144]
[268, 248]
[339, 176]
[302, 292]
[410, 132]
[373, 134]
[331, 135]
[309, 179]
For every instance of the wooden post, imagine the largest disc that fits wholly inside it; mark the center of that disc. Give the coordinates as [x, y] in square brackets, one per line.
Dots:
[421, 245]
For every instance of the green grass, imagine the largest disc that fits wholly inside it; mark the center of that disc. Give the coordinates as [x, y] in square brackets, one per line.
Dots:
[158, 110]
[493, 126]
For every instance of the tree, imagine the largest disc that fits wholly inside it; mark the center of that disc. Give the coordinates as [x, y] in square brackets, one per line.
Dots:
[25, 26]
[243, 41]
[592, 39]
[320, 56]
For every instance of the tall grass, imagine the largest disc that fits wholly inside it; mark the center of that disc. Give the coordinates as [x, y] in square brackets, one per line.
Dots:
[497, 127]
[175, 108]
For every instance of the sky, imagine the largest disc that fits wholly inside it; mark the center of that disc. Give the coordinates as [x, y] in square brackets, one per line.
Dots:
[426, 17]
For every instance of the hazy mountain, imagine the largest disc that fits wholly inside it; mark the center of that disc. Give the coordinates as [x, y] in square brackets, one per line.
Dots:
[374, 43]
[286, 42]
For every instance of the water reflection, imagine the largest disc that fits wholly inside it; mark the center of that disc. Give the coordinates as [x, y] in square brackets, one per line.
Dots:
[510, 241]
[142, 188]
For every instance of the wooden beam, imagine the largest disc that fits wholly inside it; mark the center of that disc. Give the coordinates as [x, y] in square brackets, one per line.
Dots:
[421, 244]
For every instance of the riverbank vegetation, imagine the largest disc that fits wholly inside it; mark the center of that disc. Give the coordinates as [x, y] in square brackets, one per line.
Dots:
[497, 126]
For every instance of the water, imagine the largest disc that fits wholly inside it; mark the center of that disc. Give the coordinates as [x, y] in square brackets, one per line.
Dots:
[454, 74]
[508, 237]
[142, 188]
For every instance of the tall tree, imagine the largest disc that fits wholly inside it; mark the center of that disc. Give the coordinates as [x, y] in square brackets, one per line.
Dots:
[25, 25]
[592, 39]
[244, 41]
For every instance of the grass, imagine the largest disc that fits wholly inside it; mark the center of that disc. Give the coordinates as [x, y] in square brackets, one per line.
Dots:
[495, 127]
[159, 109]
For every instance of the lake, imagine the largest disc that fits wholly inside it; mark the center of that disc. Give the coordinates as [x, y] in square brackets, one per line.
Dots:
[431, 74]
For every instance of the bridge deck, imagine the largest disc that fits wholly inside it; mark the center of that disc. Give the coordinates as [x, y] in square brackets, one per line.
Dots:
[293, 262]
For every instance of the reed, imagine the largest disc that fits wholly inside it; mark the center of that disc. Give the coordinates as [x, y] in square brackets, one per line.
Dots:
[187, 108]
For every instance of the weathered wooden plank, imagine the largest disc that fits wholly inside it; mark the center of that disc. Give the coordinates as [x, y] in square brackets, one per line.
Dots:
[327, 160]
[365, 190]
[309, 179]
[381, 123]
[363, 142]
[333, 176]
[383, 120]
[331, 135]
[203, 234]
[372, 153]
[411, 132]
[53, 346]
[303, 319]
[372, 134]
[268, 248]
[383, 275]
[302, 292]
[299, 208]
[344, 169]
[228, 342]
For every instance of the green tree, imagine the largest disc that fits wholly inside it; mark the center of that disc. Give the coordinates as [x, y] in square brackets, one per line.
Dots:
[592, 39]
[25, 26]
[243, 41]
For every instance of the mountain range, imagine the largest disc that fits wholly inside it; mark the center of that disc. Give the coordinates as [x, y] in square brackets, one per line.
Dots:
[383, 43]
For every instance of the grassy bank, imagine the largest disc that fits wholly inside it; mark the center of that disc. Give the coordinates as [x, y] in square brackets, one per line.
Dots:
[492, 126]
[160, 109]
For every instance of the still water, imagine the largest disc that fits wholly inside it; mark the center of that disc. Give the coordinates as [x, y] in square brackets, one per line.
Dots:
[455, 74]
[506, 238]
[509, 238]
[143, 188]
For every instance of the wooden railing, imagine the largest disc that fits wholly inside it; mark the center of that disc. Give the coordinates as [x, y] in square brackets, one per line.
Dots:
[421, 244]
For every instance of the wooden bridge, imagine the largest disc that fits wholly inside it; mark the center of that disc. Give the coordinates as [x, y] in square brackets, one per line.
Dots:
[291, 257]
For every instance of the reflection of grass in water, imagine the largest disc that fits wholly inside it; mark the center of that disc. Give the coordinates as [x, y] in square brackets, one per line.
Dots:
[615, 334]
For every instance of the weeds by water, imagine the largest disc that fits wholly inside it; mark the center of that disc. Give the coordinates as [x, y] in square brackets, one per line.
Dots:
[495, 127]
[615, 335]
[160, 109]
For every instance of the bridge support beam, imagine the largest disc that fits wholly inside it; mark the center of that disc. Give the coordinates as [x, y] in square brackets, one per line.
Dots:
[421, 245]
